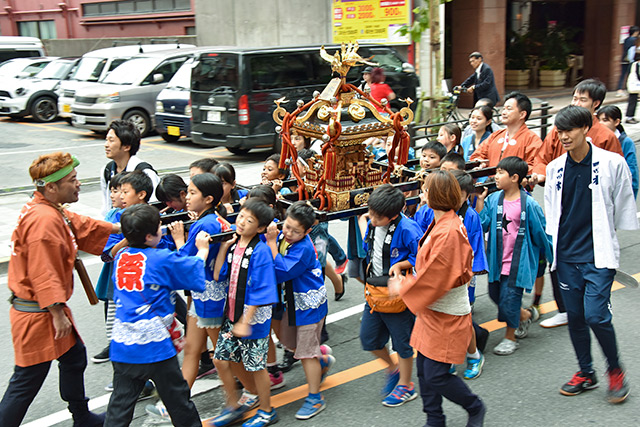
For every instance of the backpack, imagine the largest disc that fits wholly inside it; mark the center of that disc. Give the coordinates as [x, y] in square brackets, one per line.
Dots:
[111, 169]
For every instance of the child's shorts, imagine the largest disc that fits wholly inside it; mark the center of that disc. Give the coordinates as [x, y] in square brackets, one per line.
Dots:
[355, 268]
[509, 300]
[376, 328]
[205, 322]
[252, 353]
[304, 338]
[542, 266]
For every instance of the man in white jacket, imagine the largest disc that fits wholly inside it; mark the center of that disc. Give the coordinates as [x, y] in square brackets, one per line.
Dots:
[587, 197]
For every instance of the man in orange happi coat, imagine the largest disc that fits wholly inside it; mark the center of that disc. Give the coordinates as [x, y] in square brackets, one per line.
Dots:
[515, 140]
[44, 247]
[589, 94]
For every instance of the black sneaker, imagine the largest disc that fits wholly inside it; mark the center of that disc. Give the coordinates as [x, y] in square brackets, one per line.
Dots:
[147, 391]
[580, 382]
[287, 361]
[618, 386]
[101, 357]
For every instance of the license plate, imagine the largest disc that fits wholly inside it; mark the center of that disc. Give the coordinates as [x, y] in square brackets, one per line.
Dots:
[213, 116]
[80, 119]
[66, 108]
[173, 130]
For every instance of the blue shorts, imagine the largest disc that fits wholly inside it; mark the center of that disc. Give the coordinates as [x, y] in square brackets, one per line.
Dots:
[509, 300]
[252, 353]
[376, 328]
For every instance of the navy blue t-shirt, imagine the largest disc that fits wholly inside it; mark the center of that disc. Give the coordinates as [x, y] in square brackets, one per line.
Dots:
[575, 241]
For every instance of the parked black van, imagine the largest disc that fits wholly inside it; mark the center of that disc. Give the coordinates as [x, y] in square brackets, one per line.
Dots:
[233, 89]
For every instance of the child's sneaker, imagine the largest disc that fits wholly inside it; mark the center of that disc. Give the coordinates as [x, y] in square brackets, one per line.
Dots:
[340, 268]
[452, 369]
[262, 418]
[310, 408]
[474, 367]
[506, 347]
[277, 380]
[325, 349]
[287, 361]
[109, 387]
[158, 410]
[390, 383]
[618, 386]
[148, 391]
[560, 319]
[580, 382]
[535, 313]
[400, 395]
[228, 416]
[101, 357]
[326, 363]
[248, 401]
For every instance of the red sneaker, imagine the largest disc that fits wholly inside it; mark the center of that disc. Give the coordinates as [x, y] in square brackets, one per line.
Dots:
[618, 386]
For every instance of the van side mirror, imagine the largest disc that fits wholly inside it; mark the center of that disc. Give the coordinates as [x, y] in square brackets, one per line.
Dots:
[408, 68]
[158, 78]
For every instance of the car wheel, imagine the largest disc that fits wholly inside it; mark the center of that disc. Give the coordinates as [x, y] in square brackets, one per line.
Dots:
[44, 109]
[238, 151]
[140, 119]
[169, 138]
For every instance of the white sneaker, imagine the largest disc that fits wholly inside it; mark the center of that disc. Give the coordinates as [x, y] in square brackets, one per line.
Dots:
[506, 347]
[560, 319]
[158, 410]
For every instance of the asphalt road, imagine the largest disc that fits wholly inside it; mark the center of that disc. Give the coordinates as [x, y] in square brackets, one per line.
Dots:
[521, 389]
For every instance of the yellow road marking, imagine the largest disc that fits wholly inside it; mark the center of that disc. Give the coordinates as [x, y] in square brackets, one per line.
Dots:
[77, 132]
[368, 368]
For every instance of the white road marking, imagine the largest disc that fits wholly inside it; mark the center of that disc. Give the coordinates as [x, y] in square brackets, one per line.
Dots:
[46, 150]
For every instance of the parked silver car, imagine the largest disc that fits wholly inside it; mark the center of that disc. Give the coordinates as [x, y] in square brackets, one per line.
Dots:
[129, 92]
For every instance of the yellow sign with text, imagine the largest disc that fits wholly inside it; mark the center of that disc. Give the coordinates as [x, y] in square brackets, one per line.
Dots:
[373, 21]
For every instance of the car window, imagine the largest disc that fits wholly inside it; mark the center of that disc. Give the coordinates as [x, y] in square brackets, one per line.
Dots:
[215, 72]
[280, 71]
[167, 69]
[116, 62]
[130, 72]
[34, 69]
[89, 69]
[182, 78]
[55, 70]
[387, 59]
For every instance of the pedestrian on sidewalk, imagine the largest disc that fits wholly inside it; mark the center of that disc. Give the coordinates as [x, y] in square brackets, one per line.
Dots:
[633, 87]
[628, 55]
[44, 249]
[588, 197]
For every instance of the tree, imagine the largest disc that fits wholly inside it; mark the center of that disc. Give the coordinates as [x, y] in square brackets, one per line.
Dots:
[427, 17]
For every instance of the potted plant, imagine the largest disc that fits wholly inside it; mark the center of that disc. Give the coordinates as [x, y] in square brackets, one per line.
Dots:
[555, 50]
[517, 69]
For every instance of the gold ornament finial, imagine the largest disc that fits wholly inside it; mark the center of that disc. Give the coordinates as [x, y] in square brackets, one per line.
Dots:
[347, 57]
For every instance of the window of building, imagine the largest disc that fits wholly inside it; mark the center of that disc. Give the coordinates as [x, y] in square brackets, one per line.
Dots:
[40, 29]
[127, 7]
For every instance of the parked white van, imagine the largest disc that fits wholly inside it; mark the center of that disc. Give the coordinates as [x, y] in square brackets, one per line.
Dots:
[95, 65]
[20, 47]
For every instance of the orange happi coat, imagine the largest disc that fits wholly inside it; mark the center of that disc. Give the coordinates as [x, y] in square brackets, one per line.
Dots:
[443, 262]
[41, 270]
[551, 148]
[524, 144]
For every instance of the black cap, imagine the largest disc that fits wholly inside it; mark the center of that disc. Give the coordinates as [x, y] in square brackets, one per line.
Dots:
[367, 70]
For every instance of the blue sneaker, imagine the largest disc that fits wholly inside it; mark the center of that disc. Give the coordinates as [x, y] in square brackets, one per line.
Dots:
[474, 367]
[310, 408]
[452, 369]
[326, 366]
[228, 416]
[262, 418]
[390, 384]
[400, 395]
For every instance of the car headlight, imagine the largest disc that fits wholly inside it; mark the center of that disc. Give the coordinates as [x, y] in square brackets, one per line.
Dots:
[21, 91]
[159, 107]
[187, 110]
[106, 99]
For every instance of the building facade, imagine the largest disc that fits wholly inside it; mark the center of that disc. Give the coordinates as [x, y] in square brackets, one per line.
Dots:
[96, 19]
